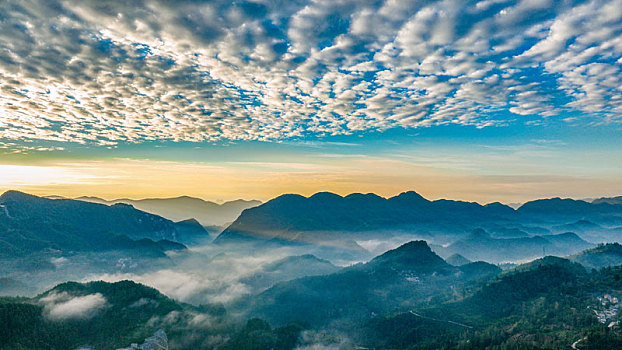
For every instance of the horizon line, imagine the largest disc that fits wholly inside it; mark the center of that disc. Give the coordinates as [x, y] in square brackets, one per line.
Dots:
[221, 202]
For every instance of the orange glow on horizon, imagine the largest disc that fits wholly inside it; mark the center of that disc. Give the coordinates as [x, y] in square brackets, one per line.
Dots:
[126, 178]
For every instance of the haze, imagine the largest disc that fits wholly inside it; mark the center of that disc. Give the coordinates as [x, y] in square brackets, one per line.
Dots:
[310, 174]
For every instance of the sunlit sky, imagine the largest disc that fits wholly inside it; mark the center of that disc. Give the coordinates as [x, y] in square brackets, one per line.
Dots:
[493, 100]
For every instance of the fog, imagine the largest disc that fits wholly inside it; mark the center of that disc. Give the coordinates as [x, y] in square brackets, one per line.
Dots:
[61, 306]
[195, 288]
[204, 274]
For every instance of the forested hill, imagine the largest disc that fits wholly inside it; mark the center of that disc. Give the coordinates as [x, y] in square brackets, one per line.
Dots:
[32, 224]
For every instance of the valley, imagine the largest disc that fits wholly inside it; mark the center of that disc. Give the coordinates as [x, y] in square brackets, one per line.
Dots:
[311, 280]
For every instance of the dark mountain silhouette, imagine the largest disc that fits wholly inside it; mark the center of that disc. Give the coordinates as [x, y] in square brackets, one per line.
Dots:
[326, 216]
[30, 224]
[413, 256]
[567, 207]
[292, 217]
[191, 231]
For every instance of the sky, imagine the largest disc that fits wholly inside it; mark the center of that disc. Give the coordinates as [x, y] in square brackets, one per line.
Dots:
[492, 100]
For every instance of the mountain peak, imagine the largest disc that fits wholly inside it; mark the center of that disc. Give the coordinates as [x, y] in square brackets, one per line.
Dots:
[16, 195]
[502, 208]
[608, 200]
[326, 196]
[286, 197]
[414, 255]
[188, 197]
[242, 201]
[569, 236]
[457, 260]
[189, 222]
[363, 196]
[555, 205]
[551, 261]
[413, 246]
[479, 233]
[410, 196]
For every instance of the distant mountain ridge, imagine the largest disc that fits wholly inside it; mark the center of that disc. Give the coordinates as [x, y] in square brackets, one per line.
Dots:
[609, 200]
[286, 216]
[568, 207]
[480, 245]
[30, 224]
[293, 217]
[185, 207]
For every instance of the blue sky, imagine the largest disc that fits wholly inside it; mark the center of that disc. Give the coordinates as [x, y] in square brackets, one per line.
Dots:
[487, 95]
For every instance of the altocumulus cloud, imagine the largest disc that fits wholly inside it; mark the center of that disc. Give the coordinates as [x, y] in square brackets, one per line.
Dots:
[132, 71]
[61, 306]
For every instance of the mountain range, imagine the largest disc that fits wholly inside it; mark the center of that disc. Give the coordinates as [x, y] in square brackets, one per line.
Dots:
[609, 200]
[184, 208]
[291, 217]
[406, 275]
[480, 245]
[473, 306]
[33, 224]
[329, 219]
[406, 298]
[329, 225]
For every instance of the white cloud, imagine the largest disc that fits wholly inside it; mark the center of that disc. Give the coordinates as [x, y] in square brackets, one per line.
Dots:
[101, 73]
[196, 281]
[187, 287]
[61, 306]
